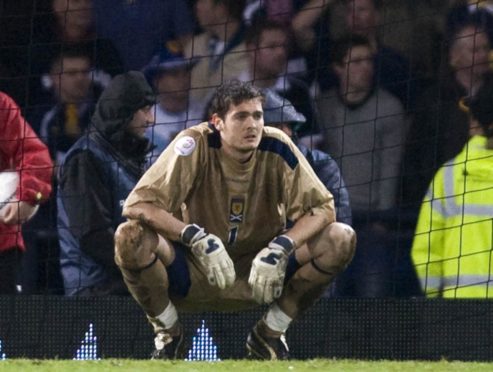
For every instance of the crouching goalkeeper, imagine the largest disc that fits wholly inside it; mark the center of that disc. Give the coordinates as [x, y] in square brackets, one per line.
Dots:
[230, 216]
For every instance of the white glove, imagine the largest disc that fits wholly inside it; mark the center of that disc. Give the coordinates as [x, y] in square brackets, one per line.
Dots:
[268, 269]
[210, 252]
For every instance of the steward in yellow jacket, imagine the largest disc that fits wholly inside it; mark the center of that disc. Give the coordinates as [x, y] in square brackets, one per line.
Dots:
[452, 249]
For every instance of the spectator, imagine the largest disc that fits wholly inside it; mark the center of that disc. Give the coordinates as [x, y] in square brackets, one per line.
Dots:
[452, 245]
[95, 178]
[281, 12]
[169, 73]
[280, 113]
[440, 128]
[59, 127]
[363, 128]
[361, 17]
[215, 177]
[23, 152]
[464, 11]
[69, 24]
[407, 33]
[220, 50]
[75, 92]
[392, 70]
[269, 47]
[140, 28]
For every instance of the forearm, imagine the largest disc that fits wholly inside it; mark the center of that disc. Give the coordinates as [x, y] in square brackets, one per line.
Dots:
[163, 222]
[304, 21]
[207, 248]
[309, 14]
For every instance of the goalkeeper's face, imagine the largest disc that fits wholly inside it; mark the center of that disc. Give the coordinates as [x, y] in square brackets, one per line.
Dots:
[241, 129]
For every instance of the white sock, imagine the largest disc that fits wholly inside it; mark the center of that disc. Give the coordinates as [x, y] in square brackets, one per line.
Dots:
[169, 316]
[276, 319]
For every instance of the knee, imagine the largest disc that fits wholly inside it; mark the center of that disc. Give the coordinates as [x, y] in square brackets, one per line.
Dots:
[133, 245]
[341, 246]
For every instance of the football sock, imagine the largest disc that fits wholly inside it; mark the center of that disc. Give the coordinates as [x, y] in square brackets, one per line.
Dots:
[169, 316]
[276, 319]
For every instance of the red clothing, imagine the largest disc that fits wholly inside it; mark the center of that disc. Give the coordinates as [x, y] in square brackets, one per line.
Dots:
[21, 149]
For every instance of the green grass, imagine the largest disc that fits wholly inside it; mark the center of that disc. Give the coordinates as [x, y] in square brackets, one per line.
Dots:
[121, 365]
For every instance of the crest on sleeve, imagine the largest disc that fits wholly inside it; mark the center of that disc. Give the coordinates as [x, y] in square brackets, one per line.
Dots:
[236, 210]
[185, 146]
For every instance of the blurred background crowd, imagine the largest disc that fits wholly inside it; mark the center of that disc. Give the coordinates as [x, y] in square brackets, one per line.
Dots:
[383, 87]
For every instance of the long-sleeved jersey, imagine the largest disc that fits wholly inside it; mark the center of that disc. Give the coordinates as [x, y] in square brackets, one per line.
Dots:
[245, 204]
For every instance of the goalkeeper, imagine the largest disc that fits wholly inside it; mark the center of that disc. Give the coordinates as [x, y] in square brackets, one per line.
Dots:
[230, 216]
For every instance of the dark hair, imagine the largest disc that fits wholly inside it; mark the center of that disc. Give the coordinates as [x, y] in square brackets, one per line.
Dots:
[452, 37]
[71, 51]
[455, 29]
[460, 18]
[378, 4]
[481, 105]
[235, 7]
[341, 46]
[230, 93]
[256, 30]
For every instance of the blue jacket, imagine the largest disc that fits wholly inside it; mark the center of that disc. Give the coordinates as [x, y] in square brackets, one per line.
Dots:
[97, 174]
[329, 173]
[94, 209]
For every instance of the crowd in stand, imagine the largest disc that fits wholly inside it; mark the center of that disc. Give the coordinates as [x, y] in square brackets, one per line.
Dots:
[383, 88]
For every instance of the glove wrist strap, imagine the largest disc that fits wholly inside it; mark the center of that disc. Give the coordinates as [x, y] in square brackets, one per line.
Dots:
[284, 243]
[191, 233]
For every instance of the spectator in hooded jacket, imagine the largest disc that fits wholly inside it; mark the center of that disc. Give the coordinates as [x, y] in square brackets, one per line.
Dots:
[96, 176]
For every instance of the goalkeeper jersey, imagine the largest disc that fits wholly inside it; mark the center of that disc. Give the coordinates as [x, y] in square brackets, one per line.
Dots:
[245, 204]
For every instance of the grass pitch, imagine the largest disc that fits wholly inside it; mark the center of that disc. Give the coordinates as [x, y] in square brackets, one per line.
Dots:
[123, 365]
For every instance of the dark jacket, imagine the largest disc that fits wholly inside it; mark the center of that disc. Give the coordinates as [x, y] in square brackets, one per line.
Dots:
[439, 131]
[329, 173]
[95, 178]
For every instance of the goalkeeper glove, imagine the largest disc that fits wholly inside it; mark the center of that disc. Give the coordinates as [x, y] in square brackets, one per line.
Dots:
[210, 252]
[268, 269]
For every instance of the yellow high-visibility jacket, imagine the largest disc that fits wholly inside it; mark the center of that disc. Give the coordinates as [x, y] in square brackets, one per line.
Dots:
[452, 248]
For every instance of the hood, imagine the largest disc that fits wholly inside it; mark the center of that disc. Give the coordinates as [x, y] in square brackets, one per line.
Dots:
[116, 107]
[125, 94]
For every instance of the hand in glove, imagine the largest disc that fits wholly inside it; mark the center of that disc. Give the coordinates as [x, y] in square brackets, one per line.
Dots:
[210, 252]
[268, 269]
